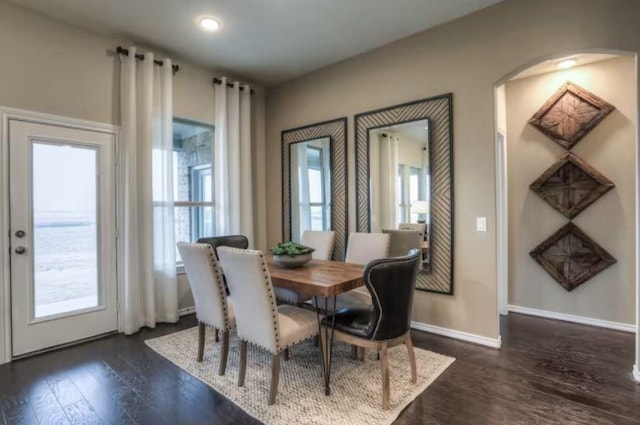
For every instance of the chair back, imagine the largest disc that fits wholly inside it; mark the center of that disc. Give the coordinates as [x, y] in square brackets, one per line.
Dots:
[206, 284]
[235, 241]
[418, 227]
[254, 302]
[402, 241]
[322, 242]
[365, 247]
[391, 282]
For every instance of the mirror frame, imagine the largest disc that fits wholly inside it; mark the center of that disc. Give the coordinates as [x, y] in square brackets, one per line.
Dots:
[439, 111]
[336, 131]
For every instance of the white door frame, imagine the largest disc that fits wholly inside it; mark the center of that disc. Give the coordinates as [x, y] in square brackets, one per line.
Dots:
[502, 218]
[501, 191]
[7, 114]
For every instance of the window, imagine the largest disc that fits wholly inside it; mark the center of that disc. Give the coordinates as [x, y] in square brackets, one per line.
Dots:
[318, 207]
[410, 187]
[192, 181]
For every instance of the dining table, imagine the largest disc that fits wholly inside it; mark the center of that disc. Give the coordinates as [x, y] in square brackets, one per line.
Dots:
[323, 281]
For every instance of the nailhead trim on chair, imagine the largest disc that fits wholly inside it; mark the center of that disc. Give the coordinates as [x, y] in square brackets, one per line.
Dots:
[221, 289]
[272, 300]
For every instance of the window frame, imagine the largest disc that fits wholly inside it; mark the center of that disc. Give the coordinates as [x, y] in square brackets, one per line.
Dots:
[193, 205]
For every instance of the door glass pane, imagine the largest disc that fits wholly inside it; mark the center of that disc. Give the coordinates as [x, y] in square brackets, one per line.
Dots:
[65, 254]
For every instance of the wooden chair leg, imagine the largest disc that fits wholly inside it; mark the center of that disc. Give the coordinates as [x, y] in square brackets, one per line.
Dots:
[217, 339]
[286, 354]
[243, 363]
[224, 353]
[363, 353]
[384, 363]
[275, 378]
[412, 359]
[201, 334]
[354, 352]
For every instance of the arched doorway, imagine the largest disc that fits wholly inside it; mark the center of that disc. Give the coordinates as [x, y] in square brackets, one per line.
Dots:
[513, 260]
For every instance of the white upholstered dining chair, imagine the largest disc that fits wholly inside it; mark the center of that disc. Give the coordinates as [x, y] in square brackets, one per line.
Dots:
[321, 241]
[365, 247]
[362, 249]
[403, 241]
[259, 320]
[210, 296]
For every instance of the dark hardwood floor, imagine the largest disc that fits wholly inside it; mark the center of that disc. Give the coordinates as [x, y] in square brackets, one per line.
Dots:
[547, 372]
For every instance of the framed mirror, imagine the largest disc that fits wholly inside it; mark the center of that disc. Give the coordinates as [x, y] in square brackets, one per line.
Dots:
[314, 185]
[404, 181]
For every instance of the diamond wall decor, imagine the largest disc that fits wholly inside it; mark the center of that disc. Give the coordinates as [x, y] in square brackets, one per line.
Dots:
[570, 114]
[571, 257]
[571, 185]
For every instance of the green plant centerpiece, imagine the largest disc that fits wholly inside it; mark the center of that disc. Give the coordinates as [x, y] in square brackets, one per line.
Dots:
[291, 254]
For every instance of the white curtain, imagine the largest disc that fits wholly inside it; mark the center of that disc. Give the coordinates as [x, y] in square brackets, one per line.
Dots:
[384, 171]
[232, 161]
[388, 174]
[150, 285]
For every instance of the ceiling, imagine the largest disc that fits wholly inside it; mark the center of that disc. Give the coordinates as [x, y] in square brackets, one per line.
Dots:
[266, 41]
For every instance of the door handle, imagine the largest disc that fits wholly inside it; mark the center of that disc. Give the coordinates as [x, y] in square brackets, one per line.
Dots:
[20, 250]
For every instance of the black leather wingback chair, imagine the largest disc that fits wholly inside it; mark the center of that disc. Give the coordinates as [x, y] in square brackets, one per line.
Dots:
[234, 241]
[391, 282]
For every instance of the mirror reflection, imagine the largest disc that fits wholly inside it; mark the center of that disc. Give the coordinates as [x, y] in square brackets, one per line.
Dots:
[310, 186]
[399, 184]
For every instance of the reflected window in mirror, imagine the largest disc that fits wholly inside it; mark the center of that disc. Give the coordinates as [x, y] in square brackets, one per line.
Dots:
[399, 179]
[310, 186]
[431, 120]
[399, 175]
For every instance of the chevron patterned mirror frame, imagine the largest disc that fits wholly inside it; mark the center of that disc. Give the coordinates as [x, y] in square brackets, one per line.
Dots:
[336, 131]
[439, 111]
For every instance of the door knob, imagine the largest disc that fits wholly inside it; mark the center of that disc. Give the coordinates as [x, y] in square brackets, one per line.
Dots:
[21, 250]
[20, 234]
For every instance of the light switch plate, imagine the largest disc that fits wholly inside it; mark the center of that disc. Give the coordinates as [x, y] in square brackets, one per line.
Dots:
[481, 224]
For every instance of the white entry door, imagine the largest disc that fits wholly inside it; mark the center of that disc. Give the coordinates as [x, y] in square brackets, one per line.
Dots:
[62, 212]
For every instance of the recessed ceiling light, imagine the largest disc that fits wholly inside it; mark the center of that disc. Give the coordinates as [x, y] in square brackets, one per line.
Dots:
[566, 63]
[209, 24]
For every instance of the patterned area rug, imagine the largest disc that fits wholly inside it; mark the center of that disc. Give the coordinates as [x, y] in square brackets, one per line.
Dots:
[356, 390]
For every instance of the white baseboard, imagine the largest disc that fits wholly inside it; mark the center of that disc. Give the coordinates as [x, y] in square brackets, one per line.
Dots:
[464, 336]
[575, 319]
[186, 310]
[636, 373]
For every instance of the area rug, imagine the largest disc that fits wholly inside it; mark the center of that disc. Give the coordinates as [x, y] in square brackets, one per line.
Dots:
[356, 390]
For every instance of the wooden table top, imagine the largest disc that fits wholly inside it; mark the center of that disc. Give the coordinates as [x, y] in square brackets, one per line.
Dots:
[317, 277]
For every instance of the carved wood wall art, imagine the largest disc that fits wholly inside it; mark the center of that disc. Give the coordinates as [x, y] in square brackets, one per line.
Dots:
[571, 257]
[571, 185]
[570, 114]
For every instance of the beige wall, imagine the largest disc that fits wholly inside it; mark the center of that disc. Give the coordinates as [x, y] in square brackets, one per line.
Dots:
[51, 67]
[610, 221]
[466, 57]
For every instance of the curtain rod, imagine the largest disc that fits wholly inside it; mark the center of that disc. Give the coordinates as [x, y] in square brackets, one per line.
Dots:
[122, 51]
[217, 80]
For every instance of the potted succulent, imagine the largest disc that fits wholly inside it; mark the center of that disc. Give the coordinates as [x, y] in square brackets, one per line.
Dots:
[291, 254]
